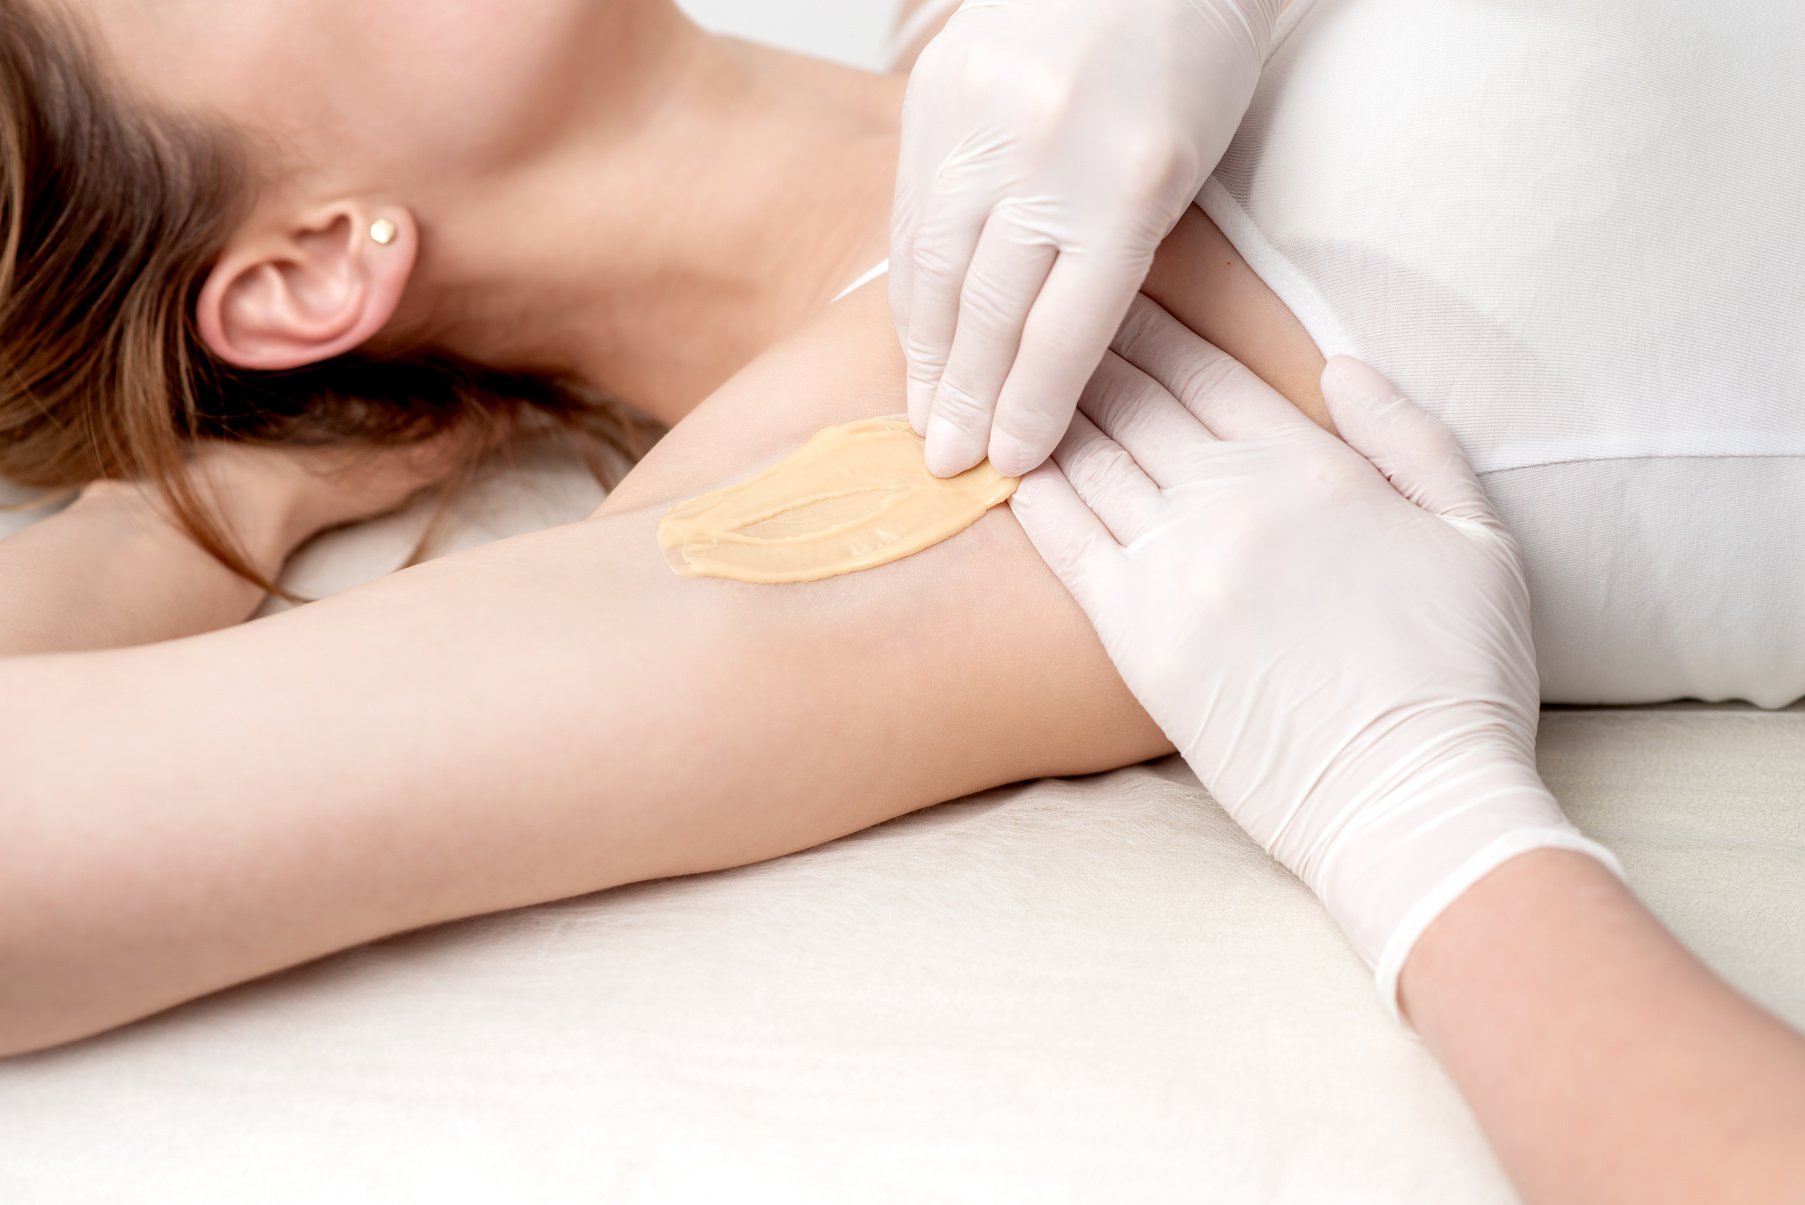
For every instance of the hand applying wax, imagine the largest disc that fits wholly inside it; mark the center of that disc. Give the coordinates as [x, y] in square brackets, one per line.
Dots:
[1048, 148]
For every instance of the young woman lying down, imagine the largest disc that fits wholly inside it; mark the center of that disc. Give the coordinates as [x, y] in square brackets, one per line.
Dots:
[622, 203]
[549, 715]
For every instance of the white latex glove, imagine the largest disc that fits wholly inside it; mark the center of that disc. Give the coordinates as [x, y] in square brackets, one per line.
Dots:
[1048, 147]
[1335, 637]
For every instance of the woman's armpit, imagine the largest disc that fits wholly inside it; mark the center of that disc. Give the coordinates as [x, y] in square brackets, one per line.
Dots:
[846, 365]
[842, 367]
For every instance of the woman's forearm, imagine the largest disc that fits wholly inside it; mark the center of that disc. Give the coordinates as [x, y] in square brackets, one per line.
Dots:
[113, 570]
[1604, 1062]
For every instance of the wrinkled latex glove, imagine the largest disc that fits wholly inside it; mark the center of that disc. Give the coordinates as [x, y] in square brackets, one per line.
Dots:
[1048, 147]
[1335, 636]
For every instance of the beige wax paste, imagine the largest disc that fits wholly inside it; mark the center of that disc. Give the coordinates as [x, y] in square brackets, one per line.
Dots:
[853, 497]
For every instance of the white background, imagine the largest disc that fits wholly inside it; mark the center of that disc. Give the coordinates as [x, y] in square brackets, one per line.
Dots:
[852, 31]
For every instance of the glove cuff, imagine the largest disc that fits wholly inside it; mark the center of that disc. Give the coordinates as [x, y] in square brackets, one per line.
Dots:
[1396, 950]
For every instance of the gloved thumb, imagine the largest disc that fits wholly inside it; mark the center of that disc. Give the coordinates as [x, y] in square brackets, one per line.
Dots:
[1414, 449]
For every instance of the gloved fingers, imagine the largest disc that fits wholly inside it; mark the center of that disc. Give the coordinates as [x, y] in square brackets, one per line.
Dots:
[914, 188]
[900, 282]
[1008, 270]
[905, 204]
[938, 259]
[1067, 534]
[1213, 385]
[1152, 426]
[1415, 450]
[1064, 339]
[1110, 482]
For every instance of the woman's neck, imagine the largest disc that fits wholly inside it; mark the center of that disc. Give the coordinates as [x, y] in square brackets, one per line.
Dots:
[695, 220]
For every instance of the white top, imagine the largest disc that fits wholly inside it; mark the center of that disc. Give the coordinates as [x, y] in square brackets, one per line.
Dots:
[1574, 231]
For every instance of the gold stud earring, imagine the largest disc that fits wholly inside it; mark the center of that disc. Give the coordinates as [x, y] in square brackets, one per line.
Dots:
[384, 231]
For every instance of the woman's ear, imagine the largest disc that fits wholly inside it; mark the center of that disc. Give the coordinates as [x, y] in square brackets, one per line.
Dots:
[284, 299]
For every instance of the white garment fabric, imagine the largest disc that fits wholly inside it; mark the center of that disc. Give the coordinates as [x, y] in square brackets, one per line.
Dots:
[1574, 232]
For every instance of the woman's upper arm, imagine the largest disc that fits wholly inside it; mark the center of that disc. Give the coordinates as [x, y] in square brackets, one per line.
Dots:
[538, 717]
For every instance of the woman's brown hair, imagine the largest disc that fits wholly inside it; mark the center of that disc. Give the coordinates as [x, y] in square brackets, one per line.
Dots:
[111, 216]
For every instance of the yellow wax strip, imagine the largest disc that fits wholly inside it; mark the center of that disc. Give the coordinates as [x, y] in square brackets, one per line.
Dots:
[853, 497]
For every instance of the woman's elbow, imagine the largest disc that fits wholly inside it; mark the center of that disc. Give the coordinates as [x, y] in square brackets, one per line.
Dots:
[49, 999]
[34, 1015]
[29, 1021]
[59, 981]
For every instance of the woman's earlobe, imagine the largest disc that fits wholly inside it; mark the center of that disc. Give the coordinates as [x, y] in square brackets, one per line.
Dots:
[316, 289]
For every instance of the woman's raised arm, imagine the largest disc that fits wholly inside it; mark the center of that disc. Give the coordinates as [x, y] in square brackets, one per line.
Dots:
[542, 717]
[552, 714]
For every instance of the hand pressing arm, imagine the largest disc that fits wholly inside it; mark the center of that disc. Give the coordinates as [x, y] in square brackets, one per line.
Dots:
[1337, 640]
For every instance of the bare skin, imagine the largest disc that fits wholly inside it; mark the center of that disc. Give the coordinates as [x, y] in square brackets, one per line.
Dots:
[386, 790]
[1604, 1062]
[614, 197]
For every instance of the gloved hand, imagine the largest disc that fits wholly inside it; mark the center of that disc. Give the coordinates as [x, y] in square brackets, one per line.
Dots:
[1048, 147]
[1335, 637]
